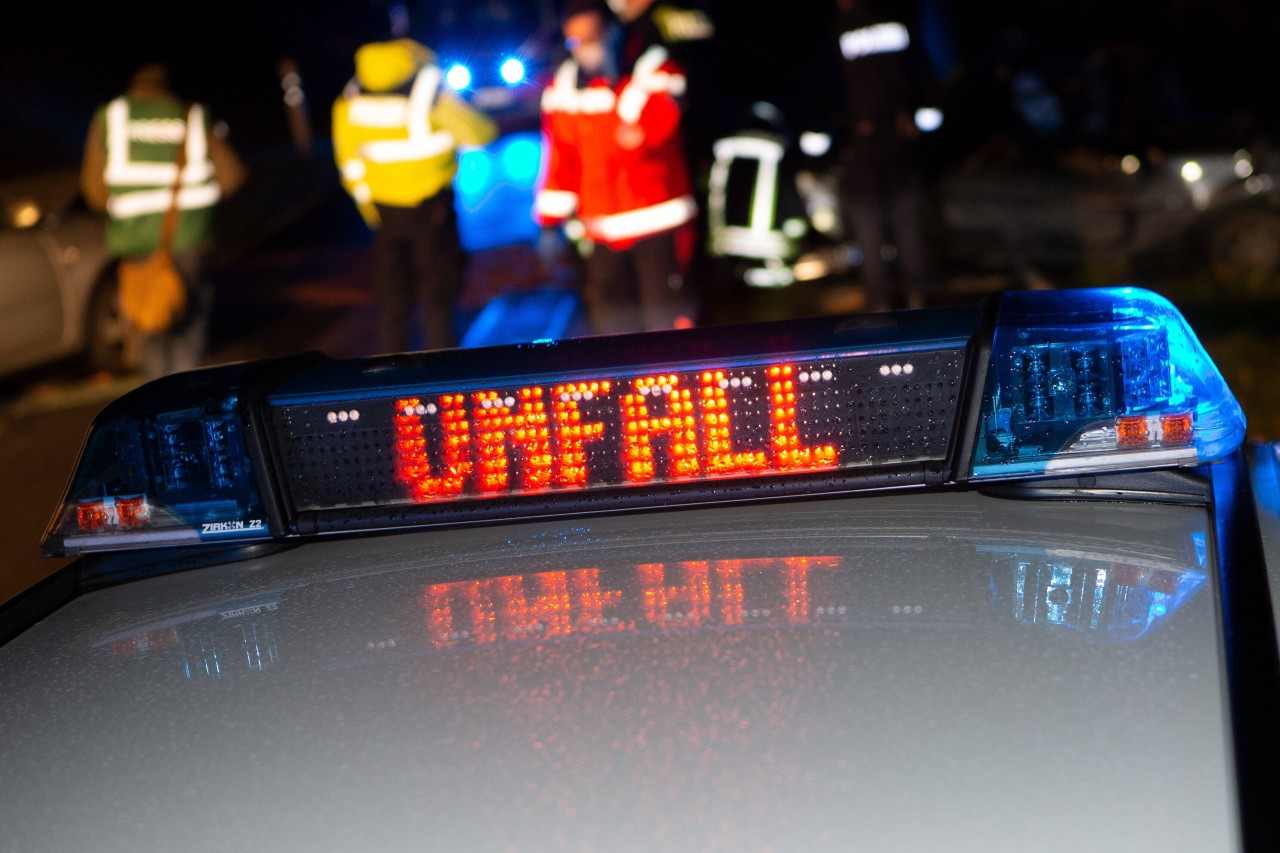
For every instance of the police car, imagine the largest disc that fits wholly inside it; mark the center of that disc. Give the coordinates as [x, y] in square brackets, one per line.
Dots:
[992, 577]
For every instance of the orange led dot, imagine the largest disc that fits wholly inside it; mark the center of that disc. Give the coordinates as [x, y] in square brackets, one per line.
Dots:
[92, 516]
[1176, 429]
[133, 512]
[1131, 431]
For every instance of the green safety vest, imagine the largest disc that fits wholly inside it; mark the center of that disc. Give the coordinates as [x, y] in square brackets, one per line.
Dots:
[142, 138]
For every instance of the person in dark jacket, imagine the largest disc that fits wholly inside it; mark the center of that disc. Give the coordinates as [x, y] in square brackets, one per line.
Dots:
[884, 81]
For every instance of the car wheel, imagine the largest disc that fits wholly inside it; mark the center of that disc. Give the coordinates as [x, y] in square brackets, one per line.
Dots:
[112, 343]
[1245, 250]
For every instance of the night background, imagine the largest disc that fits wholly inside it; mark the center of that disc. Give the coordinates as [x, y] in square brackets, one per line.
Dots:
[1126, 72]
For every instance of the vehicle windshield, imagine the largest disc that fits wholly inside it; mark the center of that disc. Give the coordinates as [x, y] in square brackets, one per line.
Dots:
[813, 674]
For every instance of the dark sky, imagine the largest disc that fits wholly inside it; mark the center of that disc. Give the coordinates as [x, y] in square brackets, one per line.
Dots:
[57, 69]
[54, 72]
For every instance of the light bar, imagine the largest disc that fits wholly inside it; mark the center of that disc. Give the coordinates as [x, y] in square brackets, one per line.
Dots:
[174, 462]
[1098, 380]
[1060, 382]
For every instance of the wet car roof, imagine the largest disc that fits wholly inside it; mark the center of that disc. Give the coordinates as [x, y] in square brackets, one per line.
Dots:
[924, 671]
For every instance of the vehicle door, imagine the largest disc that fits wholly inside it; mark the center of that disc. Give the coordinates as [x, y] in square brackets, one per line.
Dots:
[31, 308]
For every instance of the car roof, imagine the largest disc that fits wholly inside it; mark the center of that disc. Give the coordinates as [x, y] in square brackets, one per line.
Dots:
[911, 671]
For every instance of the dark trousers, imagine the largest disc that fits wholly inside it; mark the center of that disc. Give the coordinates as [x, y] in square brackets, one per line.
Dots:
[640, 288]
[419, 263]
[882, 182]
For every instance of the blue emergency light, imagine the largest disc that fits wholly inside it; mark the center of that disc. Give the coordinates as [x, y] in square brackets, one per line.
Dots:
[1029, 385]
[1092, 380]
[458, 76]
[512, 71]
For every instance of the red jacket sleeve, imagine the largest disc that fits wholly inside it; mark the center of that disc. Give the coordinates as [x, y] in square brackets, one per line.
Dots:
[557, 196]
[654, 96]
[660, 119]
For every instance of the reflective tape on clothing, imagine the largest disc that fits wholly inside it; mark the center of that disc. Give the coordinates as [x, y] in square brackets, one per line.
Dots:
[382, 111]
[643, 222]
[886, 37]
[143, 202]
[408, 150]
[596, 100]
[122, 130]
[564, 96]
[555, 204]
[412, 113]
[354, 169]
[141, 173]
[646, 80]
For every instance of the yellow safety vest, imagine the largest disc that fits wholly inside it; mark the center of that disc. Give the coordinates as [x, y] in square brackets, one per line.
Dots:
[399, 149]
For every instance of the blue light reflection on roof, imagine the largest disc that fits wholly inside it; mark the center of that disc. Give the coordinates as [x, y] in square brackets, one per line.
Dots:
[1091, 595]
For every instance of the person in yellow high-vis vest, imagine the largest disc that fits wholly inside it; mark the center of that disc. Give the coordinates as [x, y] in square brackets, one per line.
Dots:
[396, 133]
[129, 170]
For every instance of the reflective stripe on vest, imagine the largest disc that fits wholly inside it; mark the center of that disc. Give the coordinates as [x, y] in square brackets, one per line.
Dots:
[412, 114]
[141, 187]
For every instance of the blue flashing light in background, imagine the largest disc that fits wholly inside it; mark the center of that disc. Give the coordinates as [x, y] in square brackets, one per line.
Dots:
[475, 167]
[521, 158]
[1103, 379]
[458, 77]
[495, 186]
[512, 71]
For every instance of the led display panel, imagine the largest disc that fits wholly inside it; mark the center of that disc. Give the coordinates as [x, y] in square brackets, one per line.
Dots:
[572, 434]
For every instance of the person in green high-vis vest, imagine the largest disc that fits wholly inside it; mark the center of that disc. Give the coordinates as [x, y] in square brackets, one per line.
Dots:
[129, 172]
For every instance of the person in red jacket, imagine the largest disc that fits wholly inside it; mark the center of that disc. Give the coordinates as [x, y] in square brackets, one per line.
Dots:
[614, 161]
